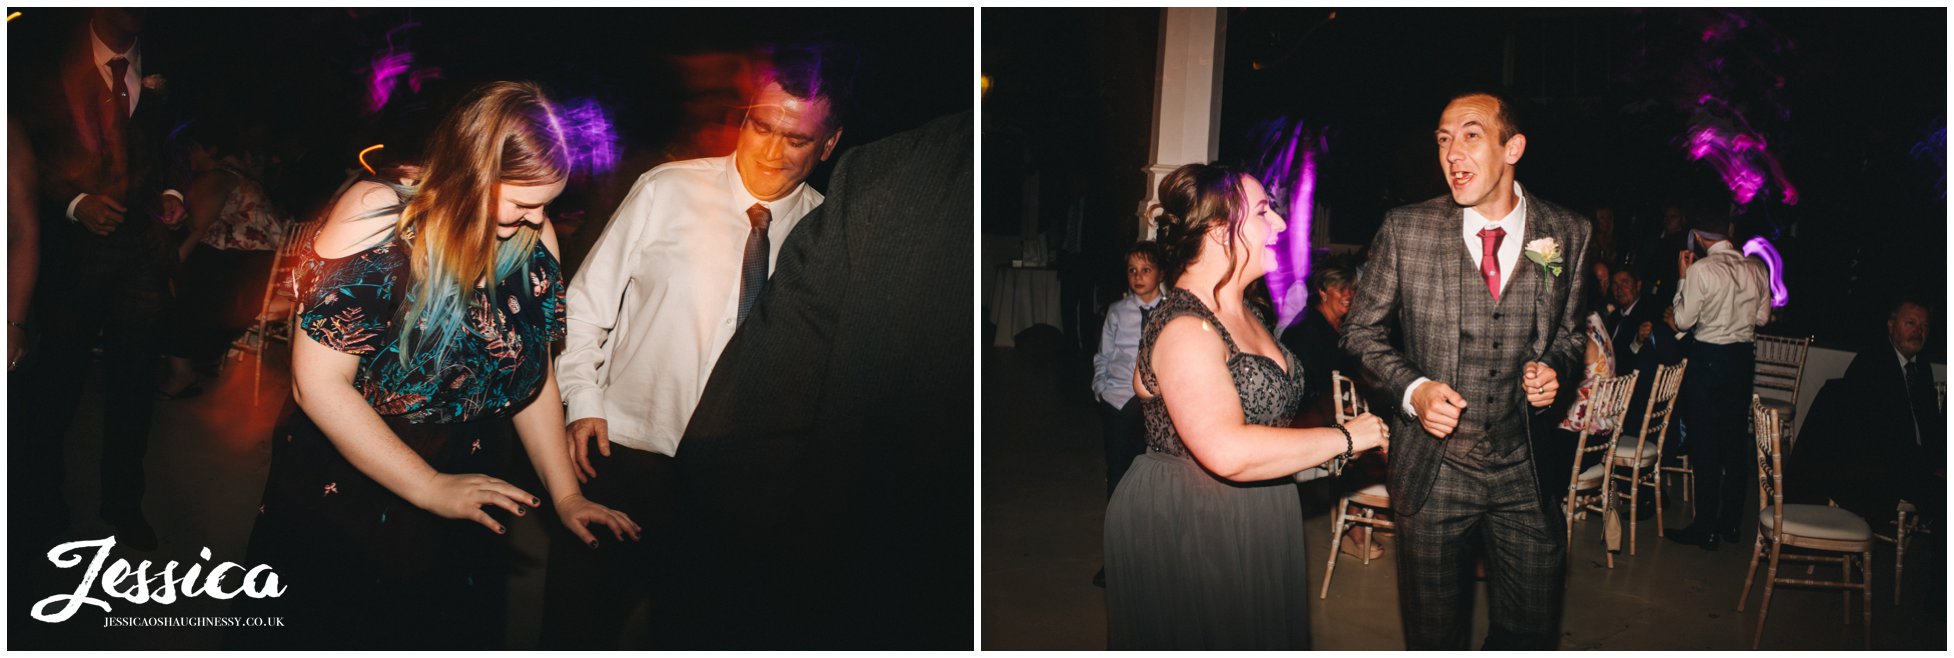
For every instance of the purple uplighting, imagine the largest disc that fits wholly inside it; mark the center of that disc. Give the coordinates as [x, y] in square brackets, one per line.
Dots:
[1762, 249]
[1290, 175]
[389, 67]
[587, 131]
[1934, 147]
[1743, 159]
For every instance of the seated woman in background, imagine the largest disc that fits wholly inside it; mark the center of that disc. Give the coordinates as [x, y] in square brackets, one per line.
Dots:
[232, 235]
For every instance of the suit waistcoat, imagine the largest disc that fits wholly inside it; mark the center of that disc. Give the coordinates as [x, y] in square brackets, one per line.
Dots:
[1493, 342]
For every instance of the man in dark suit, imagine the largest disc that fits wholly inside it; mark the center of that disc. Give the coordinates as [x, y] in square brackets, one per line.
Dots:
[105, 215]
[1895, 444]
[827, 469]
[1489, 334]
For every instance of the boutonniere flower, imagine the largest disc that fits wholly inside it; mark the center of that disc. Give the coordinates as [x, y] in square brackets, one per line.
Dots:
[1545, 252]
[154, 82]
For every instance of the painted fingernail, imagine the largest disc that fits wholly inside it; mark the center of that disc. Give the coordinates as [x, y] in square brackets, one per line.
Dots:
[519, 510]
[500, 530]
[533, 501]
[593, 543]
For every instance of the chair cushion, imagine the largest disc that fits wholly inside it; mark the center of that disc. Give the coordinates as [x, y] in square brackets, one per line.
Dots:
[1625, 452]
[1591, 478]
[1378, 490]
[1819, 522]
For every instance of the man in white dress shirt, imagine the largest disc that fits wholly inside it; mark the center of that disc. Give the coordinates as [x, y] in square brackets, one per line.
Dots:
[672, 276]
[1722, 299]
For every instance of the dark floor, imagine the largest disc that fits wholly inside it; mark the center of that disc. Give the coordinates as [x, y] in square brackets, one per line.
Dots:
[206, 470]
[1044, 496]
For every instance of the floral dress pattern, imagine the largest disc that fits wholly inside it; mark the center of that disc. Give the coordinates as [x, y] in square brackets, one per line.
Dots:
[493, 365]
[247, 221]
[364, 567]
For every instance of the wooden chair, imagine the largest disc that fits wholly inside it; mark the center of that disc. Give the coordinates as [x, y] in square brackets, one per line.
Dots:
[278, 308]
[1369, 500]
[1641, 455]
[1904, 526]
[1809, 527]
[1608, 401]
[1780, 367]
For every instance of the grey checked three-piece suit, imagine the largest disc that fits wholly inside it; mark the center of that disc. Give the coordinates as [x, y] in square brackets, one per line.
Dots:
[1478, 485]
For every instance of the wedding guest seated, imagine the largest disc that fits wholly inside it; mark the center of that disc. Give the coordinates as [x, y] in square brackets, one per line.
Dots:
[1878, 435]
[1313, 338]
[232, 236]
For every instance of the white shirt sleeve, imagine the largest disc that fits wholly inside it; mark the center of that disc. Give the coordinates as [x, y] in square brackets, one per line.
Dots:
[594, 298]
[71, 207]
[1406, 406]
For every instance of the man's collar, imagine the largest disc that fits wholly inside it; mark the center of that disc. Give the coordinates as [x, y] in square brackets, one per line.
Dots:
[1904, 361]
[1722, 246]
[1519, 212]
[743, 199]
[103, 54]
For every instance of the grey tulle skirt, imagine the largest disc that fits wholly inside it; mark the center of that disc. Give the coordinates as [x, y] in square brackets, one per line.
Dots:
[1196, 562]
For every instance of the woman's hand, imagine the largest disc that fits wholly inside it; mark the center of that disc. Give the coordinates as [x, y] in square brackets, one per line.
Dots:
[577, 512]
[1368, 431]
[462, 497]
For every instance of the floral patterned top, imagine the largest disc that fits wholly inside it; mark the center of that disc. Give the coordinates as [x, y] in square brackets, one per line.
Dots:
[247, 222]
[494, 364]
[1600, 365]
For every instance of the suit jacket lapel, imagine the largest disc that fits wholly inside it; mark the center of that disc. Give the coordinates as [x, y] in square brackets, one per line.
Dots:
[1446, 229]
[1541, 285]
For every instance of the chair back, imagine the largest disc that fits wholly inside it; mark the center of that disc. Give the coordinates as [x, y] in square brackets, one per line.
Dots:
[1349, 403]
[1780, 366]
[1770, 464]
[1661, 410]
[1608, 402]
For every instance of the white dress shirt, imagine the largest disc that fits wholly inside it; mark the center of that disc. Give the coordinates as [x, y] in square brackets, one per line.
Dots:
[657, 299]
[1515, 225]
[1119, 350]
[131, 77]
[1724, 297]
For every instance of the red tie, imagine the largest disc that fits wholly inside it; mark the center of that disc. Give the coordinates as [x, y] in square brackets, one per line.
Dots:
[1489, 257]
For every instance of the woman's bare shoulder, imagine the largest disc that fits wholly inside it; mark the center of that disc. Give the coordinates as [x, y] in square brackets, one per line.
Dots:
[357, 220]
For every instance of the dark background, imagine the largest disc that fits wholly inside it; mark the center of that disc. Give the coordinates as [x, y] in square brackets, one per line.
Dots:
[295, 80]
[1852, 103]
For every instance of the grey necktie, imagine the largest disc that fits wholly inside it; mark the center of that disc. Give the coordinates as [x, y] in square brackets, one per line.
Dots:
[753, 267]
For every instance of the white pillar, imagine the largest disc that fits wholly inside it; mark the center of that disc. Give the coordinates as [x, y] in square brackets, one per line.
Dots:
[1187, 97]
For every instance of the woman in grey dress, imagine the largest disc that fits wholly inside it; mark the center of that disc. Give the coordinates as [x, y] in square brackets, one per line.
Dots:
[1204, 537]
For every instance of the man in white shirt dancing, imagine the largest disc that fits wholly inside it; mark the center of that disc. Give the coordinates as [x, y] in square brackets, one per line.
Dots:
[672, 276]
[1722, 298]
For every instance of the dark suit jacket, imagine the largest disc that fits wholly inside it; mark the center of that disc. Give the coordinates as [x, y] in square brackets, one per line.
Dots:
[1879, 390]
[80, 151]
[1623, 328]
[1412, 284]
[827, 468]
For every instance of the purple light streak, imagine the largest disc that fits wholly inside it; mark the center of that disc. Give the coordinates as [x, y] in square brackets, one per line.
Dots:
[1290, 175]
[588, 134]
[389, 67]
[1743, 159]
[1762, 249]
